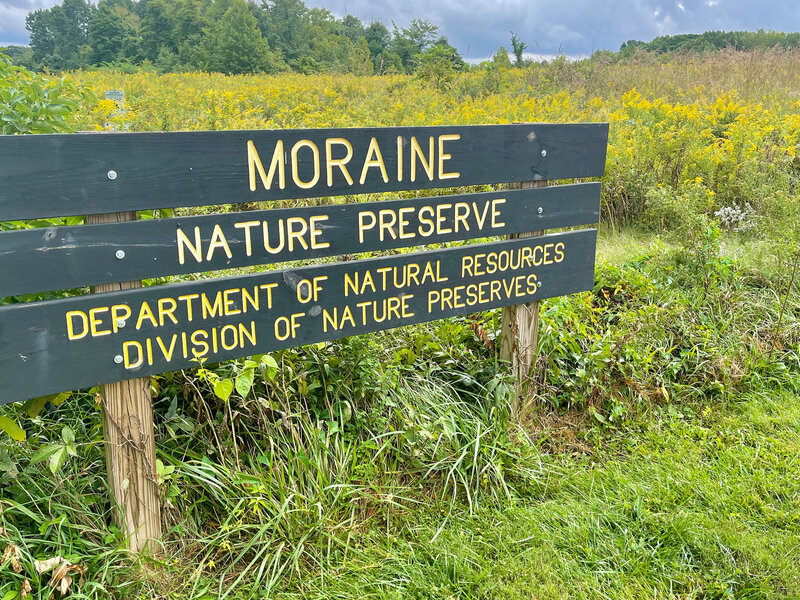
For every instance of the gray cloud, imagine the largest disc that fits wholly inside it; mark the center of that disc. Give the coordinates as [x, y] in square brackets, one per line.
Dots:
[575, 27]
[12, 19]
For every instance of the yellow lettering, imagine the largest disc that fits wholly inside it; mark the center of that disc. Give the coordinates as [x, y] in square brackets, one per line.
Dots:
[285, 326]
[547, 259]
[440, 219]
[316, 231]
[338, 162]
[480, 218]
[478, 267]
[183, 241]
[119, 314]
[298, 234]
[304, 297]
[373, 150]
[367, 281]
[494, 290]
[405, 309]
[252, 300]
[443, 157]
[466, 266]
[277, 163]
[428, 222]
[167, 353]
[199, 343]
[187, 299]
[94, 322]
[218, 241]
[412, 272]
[433, 298]
[457, 302]
[145, 313]
[211, 310]
[496, 213]
[84, 320]
[532, 284]
[386, 221]
[559, 252]
[461, 214]
[127, 357]
[295, 168]
[404, 222]
[230, 303]
[416, 151]
[327, 319]
[250, 334]
[350, 285]
[279, 247]
[246, 225]
[400, 158]
[268, 287]
[229, 329]
[362, 224]
[526, 255]
[166, 308]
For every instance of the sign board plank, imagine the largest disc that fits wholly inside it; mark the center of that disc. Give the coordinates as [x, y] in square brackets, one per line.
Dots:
[54, 258]
[79, 174]
[47, 347]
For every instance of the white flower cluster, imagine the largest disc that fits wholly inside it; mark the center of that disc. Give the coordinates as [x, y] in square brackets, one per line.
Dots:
[737, 218]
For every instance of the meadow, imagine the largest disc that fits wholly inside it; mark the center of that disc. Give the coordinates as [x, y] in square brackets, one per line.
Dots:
[656, 459]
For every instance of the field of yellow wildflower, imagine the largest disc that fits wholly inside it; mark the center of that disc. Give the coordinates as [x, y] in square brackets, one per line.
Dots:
[715, 132]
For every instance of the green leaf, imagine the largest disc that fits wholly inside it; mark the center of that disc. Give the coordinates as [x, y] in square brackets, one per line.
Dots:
[16, 432]
[269, 367]
[343, 411]
[68, 435]
[57, 109]
[44, 453]
[40, 126]
[57, 459]
[223, 389]
[244, 381]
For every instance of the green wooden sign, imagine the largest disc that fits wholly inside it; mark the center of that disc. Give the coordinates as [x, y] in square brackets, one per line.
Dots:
[51, 346]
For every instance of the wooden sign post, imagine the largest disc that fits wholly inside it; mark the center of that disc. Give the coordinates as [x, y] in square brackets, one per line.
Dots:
[125, 333]
[129, 441]
[520, 333]
[128, 423]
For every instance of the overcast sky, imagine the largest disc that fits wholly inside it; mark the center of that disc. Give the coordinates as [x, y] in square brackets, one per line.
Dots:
[572, 27]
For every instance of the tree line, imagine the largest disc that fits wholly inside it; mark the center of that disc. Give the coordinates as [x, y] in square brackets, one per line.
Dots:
[245, 36]
[711, 41]
[228, 36]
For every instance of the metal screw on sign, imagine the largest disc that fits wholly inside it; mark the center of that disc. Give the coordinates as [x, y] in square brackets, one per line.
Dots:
[541, 210]
[112, 175]
[120, 254]
[544, 152]
[118, 359]
[120, 323]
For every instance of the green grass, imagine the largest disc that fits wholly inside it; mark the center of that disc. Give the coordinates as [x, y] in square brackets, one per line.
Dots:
[693, 506]
[618, 247]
